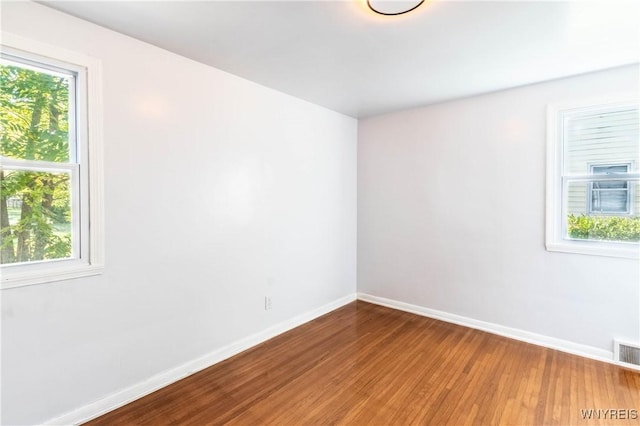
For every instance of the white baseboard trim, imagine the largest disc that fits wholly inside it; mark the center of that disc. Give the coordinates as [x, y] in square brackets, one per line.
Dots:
[513, 333]
[127, 395]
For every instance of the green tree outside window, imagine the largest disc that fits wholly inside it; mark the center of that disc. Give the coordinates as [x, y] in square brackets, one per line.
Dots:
[35, 204]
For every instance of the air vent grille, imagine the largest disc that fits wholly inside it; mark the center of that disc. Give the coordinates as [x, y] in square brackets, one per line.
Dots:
[628, 353]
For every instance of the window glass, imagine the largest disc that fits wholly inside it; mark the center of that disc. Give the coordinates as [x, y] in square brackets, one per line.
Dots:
[599, 199]
[610, 196]
[38, 168]
[34, 113]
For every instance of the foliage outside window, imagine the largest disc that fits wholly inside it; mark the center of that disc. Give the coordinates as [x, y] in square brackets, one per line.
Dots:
[593, 200]
[604, 228]
[37, 167]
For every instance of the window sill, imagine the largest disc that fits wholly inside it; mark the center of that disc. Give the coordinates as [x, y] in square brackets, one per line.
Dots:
[14, 279]
[620, 250]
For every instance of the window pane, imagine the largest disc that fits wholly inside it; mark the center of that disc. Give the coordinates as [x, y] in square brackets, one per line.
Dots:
[610, 184]
[607, 225]
[610, 170]
[597, 142]
[35, 213]
[578, 198]
[614, 201]
[34, 113]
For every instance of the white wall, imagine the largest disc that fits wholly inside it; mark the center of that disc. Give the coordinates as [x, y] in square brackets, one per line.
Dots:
[451, 216]
[217, 192]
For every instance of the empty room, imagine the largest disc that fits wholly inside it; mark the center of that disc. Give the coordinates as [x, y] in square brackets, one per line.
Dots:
[382, 212]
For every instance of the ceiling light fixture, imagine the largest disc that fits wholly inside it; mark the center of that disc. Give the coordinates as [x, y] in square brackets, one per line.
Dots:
[393, 7]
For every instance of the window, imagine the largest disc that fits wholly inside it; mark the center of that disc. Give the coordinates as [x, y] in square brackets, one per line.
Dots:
[50, 164]
[610, 197]
[593, 179]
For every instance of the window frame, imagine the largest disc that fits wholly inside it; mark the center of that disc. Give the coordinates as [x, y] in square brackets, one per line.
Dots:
[86, 123]
[556, 183]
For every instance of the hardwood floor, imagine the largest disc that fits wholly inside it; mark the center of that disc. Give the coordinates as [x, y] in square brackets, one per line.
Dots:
[366, 364]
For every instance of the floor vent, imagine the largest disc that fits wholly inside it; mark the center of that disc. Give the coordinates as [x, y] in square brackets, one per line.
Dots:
[627, 353]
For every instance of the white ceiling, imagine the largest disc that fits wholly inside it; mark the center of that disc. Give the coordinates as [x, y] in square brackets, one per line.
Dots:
[346, 58]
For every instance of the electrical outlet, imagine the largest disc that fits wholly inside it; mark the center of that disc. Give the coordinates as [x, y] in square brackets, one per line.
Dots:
[267, 303]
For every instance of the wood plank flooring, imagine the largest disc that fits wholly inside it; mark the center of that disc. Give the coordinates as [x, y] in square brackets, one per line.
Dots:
[368, 365]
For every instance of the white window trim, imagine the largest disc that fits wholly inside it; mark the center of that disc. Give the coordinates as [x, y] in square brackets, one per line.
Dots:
[554, 238]
[92, 262]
